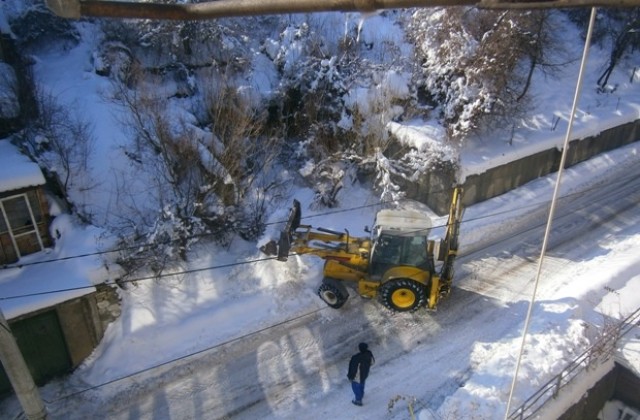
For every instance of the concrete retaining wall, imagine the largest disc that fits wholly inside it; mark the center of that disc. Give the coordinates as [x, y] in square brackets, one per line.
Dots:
[504, 178]
[85, 319]
[619, 384]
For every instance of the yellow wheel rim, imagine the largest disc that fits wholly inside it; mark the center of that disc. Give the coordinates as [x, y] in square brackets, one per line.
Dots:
[403, 298]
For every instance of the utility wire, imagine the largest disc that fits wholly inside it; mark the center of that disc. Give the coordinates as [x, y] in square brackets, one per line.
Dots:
[152, 277]
[218, 345]
[345, 210]
[238, 263]
[201, 235]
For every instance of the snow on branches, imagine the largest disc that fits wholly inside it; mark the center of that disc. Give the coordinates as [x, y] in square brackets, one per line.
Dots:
[476, 65]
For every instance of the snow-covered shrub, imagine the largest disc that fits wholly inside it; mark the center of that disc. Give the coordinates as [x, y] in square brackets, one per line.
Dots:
[339, 106]
[38, 27]
[62, 141]
[476, 64]
[328, 178]
[209, 178]
[221, 42]
[115, 60]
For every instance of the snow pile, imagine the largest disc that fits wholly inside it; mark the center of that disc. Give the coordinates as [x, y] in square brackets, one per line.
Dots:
[16, 170]
[555, 338]
[426, 137]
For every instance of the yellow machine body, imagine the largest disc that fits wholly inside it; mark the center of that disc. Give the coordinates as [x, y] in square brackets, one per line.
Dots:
[396, 264]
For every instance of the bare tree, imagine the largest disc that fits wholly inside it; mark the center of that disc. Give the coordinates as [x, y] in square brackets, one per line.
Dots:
[623, 31]
[62, 142]
[472, 62]
[539, 39]
[210, 180]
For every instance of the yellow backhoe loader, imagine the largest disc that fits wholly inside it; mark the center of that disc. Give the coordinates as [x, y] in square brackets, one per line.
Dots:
[398, 264]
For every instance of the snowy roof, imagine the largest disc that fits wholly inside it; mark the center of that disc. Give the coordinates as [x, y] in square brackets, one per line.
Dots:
[17, 170]
[425, 136]
[33, 283]
[403, 221]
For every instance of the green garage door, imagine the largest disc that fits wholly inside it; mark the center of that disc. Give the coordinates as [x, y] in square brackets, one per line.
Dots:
[43, 346]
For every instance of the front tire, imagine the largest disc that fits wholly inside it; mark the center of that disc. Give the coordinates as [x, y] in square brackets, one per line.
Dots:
[402, 295]
[332, 295]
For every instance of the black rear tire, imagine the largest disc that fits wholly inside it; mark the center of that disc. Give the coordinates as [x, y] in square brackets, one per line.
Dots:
[402, 295]
[332, 295]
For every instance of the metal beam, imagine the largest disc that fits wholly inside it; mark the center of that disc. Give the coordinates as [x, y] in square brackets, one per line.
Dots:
[75, 9]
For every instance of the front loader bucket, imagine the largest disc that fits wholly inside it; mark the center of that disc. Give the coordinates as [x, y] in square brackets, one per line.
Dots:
[270, 248]
[282, 247]
[279, 249]
[284, 244]
[295, 214]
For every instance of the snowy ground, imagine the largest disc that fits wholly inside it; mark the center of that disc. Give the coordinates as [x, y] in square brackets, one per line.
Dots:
[253, 341]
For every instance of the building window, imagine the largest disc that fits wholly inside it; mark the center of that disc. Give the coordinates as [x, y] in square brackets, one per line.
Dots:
[19, 221]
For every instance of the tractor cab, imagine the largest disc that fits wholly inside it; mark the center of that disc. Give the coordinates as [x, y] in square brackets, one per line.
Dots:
[399, 238]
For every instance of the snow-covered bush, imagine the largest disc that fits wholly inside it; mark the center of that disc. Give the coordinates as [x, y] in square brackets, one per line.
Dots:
[337, 94]
[37, 27]
[221, 42]
[115, 60]
[62, 141]
[476, 64]
[207, 178]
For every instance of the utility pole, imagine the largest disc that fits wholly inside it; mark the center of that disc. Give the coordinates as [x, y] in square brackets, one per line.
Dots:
[19, 375]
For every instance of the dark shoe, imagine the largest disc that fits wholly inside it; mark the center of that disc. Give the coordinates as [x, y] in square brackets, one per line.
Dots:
[358, 403]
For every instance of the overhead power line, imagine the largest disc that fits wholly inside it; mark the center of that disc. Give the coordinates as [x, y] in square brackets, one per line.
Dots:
[199, 352]
[186, 356]
[258, 260]
[200, 235]
[144, 278]
[327, 213]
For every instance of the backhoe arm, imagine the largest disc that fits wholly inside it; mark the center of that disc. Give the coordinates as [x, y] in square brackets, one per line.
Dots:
[323, 243]
[450, 243]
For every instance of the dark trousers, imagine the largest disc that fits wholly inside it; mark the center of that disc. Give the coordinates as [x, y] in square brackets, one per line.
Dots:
[358, 390]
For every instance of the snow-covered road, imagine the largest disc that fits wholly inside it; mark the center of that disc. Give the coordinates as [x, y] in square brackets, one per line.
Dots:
[297, 368]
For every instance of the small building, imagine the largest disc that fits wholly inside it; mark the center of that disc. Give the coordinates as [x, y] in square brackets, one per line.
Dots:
[56, 313]
[24, 212]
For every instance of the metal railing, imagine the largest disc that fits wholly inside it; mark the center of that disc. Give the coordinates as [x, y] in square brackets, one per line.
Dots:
[599, 352]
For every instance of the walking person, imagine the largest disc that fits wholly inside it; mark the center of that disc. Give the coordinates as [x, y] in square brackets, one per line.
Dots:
[359, 366]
